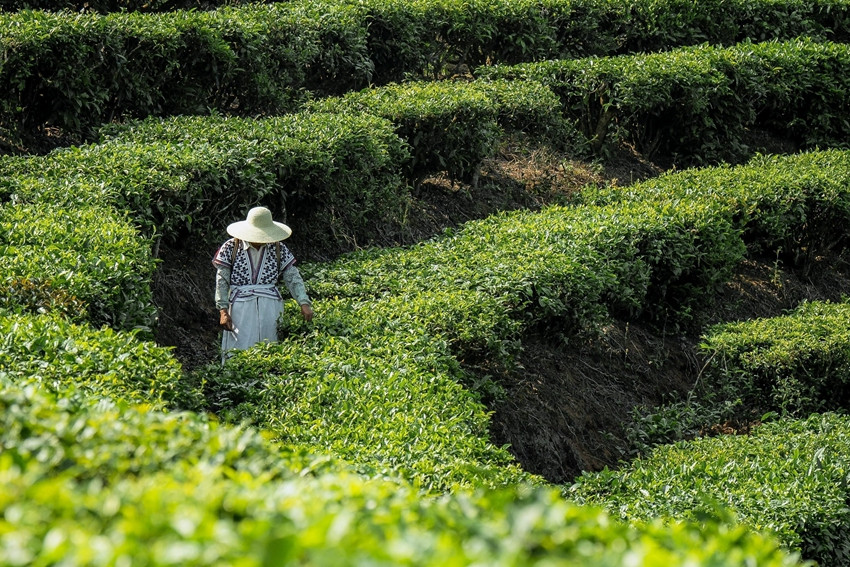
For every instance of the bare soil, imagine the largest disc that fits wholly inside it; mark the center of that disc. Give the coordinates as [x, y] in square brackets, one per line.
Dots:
[565, 407]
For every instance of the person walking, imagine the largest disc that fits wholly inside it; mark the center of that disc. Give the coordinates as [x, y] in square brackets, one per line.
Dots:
[249, 267]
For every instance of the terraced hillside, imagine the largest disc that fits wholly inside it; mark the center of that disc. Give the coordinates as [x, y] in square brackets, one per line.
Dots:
[544, 241]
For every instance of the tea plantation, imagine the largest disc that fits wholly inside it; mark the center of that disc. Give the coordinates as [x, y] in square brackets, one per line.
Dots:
[131, 129]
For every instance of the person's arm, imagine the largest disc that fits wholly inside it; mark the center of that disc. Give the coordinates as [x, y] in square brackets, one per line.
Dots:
[295, 285]
[222, 296]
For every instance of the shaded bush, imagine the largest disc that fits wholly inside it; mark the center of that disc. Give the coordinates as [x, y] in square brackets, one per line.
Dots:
[77, 71]
[192, 175]
[451, 126]
[793, 365]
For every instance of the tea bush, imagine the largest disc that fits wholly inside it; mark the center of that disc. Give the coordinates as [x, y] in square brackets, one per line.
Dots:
[699, 103]
[70, 428]
[196, 518]
[380, 391]
[788, 477]
[189, 175]
[56, 354]
[564, 266]
[790, 206]
[793, 365]
[432, 37]
[448, 127]
[90, 256]
[77, 71]
[88, 479]
[453, 125]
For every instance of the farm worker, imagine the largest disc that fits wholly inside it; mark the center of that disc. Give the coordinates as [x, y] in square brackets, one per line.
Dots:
[248, 269]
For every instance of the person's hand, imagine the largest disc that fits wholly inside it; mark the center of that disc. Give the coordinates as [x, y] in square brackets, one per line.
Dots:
[307, 312]
[225, 320]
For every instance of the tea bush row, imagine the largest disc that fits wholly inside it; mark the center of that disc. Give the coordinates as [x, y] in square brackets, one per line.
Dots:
[436, 36]
[90, 478]
[563, 266]
[196, 518]
[788, 207]
[656, 248]
[58, 355]
[110, 431]
[794, 365]
[78, 70]
[85, 262]
[452, 126]
[182, 176]
[789, 366]
[702, 103]
[788, 477]
[469, 296]
[377, 392]
[413, 37]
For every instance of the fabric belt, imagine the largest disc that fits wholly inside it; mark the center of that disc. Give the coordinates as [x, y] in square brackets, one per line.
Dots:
[245, 292]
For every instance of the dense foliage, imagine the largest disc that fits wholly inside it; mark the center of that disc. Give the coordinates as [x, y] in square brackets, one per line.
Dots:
[87, 262]
[76, 69]
[789, 207]
[49, 351]
[186, 175]
[794, 365]
[789, 477]
[362, 437]
[702, 103]
[452, 126]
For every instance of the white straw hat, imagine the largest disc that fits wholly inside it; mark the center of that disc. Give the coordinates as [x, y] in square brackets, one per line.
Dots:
[259, 227]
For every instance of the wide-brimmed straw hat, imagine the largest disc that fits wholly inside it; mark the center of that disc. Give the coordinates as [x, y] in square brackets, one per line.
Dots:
[259, 227]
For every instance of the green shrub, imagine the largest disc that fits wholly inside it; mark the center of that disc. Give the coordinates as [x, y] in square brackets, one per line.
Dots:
[90, 254]
[192, 175]
[447, 126]
[698, 103]
[194, 517]
[437, 37]
[56, 354]
[452, 126]
[370, 383]
[789, 206]
[654, 26]
[77, 71]
[793, 365]
[788, 477]
[562, 267]
[68, 428]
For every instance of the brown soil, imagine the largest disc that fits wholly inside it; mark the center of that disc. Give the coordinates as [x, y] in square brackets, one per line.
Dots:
[564, 408]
